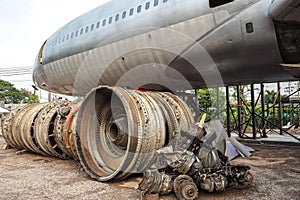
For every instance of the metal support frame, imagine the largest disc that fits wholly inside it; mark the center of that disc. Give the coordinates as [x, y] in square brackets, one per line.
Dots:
[228, 112]
[280, 114]
[263, 121]
[253, 117]
[239, 102]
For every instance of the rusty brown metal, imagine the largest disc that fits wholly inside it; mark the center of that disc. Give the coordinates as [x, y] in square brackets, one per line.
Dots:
[119, 130]
[7, 129]
[16, 127]
[45, 130]
[27, 128]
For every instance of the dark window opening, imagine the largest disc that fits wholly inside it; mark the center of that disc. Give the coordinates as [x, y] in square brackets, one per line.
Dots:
[81, 31]
[165, 1]
[131, 11]
[139, 9]
[216, 3]
[155, 2]
[147, 6]
[76, 34]
[249, 27]
[104, 22]
[98, 25]
[68, 37]
[86, 29]
[72, 35]
[117, 17]
[59, 41]
[124, 15]
[110, 20]
[63, 39]
[92, 27]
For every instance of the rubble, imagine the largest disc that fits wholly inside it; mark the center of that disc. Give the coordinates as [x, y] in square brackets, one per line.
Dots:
[198, 159]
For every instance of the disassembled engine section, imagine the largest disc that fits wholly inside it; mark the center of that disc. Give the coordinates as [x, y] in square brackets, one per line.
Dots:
[118, 130]
[202, 163]
[40, 129]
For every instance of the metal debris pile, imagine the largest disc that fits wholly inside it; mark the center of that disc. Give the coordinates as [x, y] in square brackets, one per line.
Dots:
[198, 159]
[47, 129]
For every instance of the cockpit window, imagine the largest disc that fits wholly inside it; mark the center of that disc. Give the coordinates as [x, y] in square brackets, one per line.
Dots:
[216, 3]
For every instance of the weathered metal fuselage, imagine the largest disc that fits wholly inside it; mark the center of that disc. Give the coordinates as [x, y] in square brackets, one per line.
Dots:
[172, 44]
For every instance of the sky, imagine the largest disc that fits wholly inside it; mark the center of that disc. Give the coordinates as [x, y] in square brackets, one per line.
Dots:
[26, 24]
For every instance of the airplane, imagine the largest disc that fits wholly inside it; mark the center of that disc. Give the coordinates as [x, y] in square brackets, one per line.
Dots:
[173, 45]
[157, 45]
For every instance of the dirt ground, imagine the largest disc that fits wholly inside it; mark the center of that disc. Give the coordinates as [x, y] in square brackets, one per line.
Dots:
[276, 173]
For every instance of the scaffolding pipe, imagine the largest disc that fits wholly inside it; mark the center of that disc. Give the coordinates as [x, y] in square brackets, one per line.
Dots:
[253, 112]
[228, 111]
[239, 102]
[264, 134]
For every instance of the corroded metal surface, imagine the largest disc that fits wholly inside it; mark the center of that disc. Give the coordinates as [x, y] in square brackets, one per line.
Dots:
[40, 128]
[114, 132]
[7, 129]
[27, 128]
[119, 130]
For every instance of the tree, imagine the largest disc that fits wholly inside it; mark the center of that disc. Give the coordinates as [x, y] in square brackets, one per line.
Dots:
[11, 95]
[208, 103]
[270, 96]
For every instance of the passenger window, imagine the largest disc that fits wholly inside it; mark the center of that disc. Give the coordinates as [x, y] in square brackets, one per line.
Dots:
[92, 27]
[81, 31]
[131, 11]
[165, 1]
[147, 6]
[110, 20]
[117, 17]
[68, 37]
[155, 2]
[72, 35]
[86, 29]
[216, 3]
[104, 22]
[98, 25]
[63, 39]
[250, 27]
[59, 41]
[124, 15]
[139, 9]
[76, 34]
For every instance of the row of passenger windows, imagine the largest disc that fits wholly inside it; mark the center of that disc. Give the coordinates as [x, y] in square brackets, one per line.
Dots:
[109, 20]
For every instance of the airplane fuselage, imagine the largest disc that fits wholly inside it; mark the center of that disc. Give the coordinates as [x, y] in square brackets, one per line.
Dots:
[169, 44]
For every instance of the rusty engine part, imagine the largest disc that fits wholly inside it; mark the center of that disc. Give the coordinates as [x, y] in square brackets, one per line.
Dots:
[218, 179]
[114, 132]
[184, 163]
[36, 128]
[155, 182]
[185, 188]
[197, 164]
[119, 130]
[7, 128]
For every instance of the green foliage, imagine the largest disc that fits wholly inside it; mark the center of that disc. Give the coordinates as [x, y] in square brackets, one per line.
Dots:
[209, 104]
[11, 95]
[270, 96]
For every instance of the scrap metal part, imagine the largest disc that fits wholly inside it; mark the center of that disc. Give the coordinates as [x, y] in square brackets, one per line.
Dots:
[156, 183]
[185, 188]
[36, 128]
[118, 130]
[201, 162]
